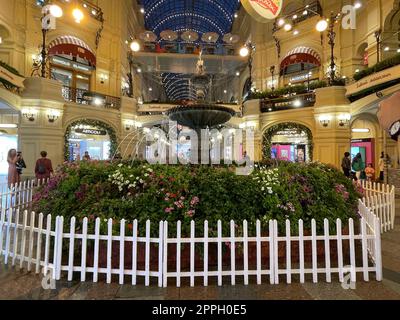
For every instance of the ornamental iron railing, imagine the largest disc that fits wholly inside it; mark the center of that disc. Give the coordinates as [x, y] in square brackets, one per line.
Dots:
[85, 97]
[286, 103]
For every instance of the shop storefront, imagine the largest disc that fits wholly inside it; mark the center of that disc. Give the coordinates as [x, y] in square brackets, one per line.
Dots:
[71, 62]
[290, 145]
[91, 139]
[300, 66]
[366, 147]
[288, 142]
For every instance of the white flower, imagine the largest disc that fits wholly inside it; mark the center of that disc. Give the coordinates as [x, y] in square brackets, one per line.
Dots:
[120, 165]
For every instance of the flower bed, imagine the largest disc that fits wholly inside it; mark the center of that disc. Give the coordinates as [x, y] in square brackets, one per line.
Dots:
[185, 193]
[171, 193]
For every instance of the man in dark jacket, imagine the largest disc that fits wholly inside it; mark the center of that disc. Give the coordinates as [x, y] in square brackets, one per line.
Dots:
[346, 164]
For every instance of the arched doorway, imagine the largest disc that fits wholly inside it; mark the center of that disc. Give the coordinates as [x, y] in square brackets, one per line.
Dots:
[364, 140]
[96, 137]
[300, 65]
[72, 62]
[288, 141]
[391, 36]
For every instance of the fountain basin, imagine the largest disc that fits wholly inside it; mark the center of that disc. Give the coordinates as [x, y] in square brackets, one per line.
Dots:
[201, 116]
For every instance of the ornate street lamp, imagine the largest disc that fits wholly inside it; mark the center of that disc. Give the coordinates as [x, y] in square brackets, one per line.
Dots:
[378, 37]
[134, 47]
[248, 51]
[50, 12]
[272, 70]
[323, 25]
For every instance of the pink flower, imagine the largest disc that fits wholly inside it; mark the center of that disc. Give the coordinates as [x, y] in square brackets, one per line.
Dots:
[190, 213]
[194, 201]
[179, 204]
[169, 210]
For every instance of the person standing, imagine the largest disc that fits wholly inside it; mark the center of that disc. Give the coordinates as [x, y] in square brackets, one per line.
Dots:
[381, 165]
[21, 165]
[346, 164]
[358, 165]
[43, 168]
[86, 157]
[370, 172]
[13, 176]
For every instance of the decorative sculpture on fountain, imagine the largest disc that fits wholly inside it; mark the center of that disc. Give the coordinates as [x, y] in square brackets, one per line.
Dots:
[201, 114]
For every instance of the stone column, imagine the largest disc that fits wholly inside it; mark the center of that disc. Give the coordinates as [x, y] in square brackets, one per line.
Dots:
[41, 97]
[331, 140]
[251, 120]
[130, 127]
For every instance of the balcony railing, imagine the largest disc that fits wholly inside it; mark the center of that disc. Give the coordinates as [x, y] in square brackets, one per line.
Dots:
[311, 10]
[85, 97]
[189, 48]
[286, 103]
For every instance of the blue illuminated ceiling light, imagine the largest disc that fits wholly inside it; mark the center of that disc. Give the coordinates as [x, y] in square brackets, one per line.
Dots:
[198, 15]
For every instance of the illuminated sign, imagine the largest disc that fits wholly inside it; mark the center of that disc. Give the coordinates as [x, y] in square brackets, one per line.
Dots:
[301, 77]
[92, 132]
[263, 10]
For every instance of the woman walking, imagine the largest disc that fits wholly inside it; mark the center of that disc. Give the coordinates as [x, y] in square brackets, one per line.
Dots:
[13, 175]
[358, 165]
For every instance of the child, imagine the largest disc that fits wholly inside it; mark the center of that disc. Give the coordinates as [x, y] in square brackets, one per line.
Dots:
[370, 172]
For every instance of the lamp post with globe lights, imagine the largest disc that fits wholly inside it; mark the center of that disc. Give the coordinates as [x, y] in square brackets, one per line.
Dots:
[134, 46]
[50, 12]
[248, 51]
[329, 24]
[272, 70]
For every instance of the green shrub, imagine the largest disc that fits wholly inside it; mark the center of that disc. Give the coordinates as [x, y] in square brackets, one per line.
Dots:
[171, 193]
[8, 85]
[380, 66]
[280, 92]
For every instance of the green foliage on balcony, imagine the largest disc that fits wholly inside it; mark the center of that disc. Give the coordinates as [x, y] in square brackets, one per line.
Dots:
[281, 92]
[8, 85]
[380, 66]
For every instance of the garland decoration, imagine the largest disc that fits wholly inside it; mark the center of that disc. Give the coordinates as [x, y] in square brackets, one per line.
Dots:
[6, 84]
[269, 133]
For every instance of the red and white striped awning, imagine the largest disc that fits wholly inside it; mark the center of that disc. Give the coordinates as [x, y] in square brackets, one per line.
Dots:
[71, 45]
[300, 55]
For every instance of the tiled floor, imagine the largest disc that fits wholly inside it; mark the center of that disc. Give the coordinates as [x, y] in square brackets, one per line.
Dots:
[21, 285]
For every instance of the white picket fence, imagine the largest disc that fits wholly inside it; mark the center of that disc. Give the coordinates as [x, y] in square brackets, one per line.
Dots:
[18, 195]
[380, 198]
[262, 252]
[35, 243]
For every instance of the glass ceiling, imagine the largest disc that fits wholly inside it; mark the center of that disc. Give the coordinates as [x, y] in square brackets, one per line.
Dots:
[198, 15]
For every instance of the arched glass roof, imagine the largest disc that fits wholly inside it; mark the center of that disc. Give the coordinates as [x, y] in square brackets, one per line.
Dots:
[198, 15]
